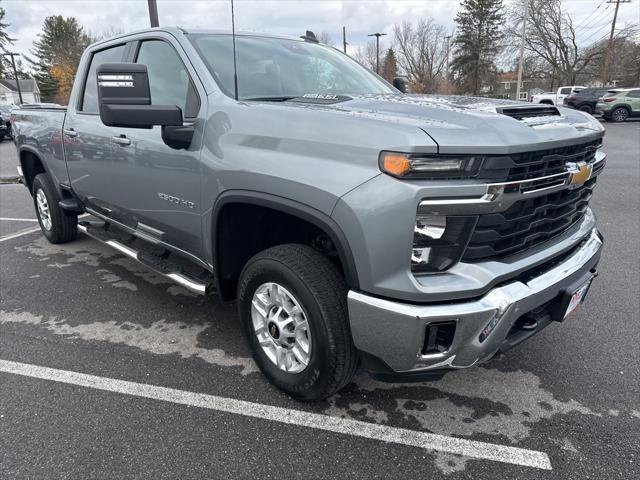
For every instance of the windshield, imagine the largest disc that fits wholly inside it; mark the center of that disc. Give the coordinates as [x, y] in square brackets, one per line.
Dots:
[281, 68]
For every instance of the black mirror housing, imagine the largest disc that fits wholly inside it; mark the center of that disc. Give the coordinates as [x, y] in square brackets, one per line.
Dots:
[124, 98]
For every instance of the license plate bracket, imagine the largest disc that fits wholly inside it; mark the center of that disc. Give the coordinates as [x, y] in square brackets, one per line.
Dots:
[572, 297]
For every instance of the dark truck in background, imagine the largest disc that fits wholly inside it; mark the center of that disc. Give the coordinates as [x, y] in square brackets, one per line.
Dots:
[352, 223]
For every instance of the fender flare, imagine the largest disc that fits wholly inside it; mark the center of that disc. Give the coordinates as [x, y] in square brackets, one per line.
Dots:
[29, 149]
[296, 209]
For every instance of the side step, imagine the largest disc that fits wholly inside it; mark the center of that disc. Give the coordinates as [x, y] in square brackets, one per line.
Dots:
[158, 264]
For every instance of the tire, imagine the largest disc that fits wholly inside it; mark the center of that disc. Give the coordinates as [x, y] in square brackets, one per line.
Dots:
[586, 108]
[619, 114]
[319, 289]
[58, 225]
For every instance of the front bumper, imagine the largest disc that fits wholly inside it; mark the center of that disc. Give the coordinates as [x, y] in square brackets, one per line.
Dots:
[393, 333]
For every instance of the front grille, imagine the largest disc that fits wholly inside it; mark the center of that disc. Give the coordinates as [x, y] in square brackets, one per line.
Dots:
[541, 163]
[527, 223]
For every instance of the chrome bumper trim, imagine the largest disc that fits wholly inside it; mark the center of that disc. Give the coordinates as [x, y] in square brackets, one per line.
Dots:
[394, 331]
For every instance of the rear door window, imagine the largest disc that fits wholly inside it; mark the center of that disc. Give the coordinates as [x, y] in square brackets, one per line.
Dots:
[634, 94]
[90, 95]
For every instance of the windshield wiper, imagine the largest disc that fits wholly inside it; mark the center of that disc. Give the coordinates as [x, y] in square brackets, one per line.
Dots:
[270, 99]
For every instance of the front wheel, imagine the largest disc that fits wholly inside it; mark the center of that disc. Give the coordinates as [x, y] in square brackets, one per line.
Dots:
[620, 114]
[292, 303]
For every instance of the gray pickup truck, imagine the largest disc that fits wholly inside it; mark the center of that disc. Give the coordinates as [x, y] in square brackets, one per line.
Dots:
[354, 224]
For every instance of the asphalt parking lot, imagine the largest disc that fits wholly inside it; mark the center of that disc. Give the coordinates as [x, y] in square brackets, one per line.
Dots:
[108, 371]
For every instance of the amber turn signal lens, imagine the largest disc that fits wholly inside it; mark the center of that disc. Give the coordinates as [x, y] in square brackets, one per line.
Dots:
[396, 164]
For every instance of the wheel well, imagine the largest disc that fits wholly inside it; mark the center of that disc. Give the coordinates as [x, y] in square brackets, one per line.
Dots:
[546, 102]
[31, 166]
[626, 107]
[244, 229]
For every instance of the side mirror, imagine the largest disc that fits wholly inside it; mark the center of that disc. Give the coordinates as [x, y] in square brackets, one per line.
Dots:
[400, 84]
[124, 98]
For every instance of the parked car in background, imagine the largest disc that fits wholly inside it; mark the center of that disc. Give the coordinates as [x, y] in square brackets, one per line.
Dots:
[556, 98]
[5, 122]
[584, 100]
[620, 104]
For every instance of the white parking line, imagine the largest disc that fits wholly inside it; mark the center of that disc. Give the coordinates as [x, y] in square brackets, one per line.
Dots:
[26, 231]
[19, 219]
[412, 438]
[19, 233]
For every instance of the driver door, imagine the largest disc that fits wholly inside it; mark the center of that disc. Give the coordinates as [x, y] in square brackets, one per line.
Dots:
[162, 184]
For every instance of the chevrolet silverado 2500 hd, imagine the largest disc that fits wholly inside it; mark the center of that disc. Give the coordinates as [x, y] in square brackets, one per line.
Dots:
[352, 223]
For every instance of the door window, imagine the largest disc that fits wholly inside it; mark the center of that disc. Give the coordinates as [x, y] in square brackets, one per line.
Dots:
[565, 91]
[169, 81]
[634, 94]
[90, 95]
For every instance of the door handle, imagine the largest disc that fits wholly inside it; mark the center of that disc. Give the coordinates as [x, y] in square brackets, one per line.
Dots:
[121, 140]
[70, 132]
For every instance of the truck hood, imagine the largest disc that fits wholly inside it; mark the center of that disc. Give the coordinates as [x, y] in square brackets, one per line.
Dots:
[461, 124]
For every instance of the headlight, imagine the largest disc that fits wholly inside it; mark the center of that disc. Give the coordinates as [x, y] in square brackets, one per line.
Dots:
[439, 241]
[419, 165]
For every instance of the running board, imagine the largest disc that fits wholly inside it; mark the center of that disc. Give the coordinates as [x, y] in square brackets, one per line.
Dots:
[166, 269]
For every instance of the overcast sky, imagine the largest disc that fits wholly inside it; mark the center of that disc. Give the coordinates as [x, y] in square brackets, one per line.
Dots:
[291, 17]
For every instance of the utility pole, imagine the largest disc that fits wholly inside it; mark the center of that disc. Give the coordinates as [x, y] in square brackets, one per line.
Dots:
[377, 35]
[607, 58]
[15, 73]
[521, 61]
[448, 39]
[344, 39]
[153, 13]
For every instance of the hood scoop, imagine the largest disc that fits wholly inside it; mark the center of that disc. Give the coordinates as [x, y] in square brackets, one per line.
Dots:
[521, 113]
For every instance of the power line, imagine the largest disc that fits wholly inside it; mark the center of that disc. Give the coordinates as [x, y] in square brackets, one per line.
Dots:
[596, 32]
[580, 25]
[595, 20]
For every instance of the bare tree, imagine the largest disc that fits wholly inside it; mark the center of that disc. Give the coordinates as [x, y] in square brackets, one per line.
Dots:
[366, 55]
[551, 38]
[422, 53]
[325, 38]
[625, 68]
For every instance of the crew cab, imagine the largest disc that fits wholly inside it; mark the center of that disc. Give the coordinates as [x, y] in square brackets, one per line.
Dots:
[353, 224]
[557, 97]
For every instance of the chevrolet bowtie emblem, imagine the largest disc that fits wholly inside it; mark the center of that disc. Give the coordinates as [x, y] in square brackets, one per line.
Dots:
[578, 174]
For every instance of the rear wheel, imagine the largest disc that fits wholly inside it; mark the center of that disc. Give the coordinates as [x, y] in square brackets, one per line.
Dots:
[586, 108]
[292, 303]
[58, 225]
[620, 114]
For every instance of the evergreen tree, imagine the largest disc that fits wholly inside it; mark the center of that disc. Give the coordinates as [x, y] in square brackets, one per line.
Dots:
[5, 41]
[389, 66]
[477, 44]
[56, 54]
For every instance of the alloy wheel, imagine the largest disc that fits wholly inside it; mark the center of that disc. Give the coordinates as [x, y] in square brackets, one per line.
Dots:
[43, 209]
[281, 327]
